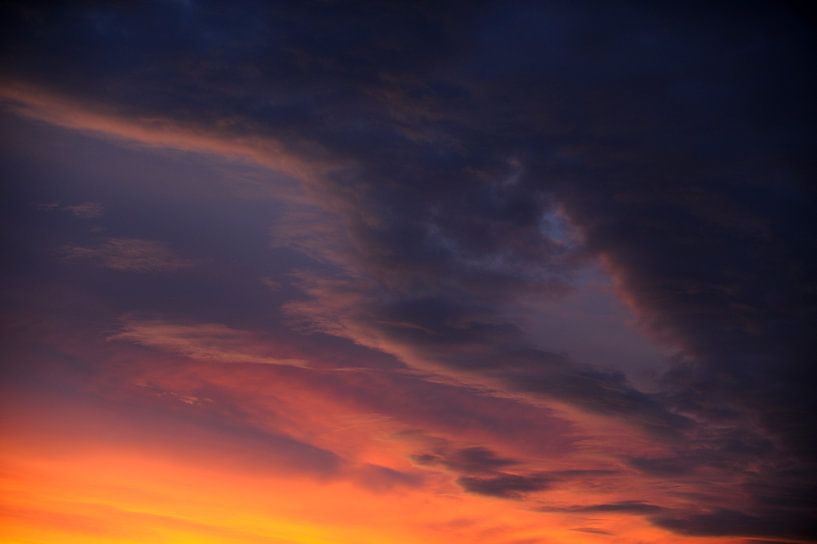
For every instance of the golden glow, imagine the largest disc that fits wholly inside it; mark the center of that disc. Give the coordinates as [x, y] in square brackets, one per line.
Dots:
[61, 489]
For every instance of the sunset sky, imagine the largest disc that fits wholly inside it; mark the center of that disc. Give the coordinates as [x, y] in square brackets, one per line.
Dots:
[320, 272]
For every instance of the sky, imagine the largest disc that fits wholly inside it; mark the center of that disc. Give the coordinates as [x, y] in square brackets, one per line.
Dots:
[327, 272]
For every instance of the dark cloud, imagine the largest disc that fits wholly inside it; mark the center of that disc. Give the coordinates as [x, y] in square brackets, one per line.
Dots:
[477, 459]
[624, 507]
[593, 531]
[471, 460]
[663, 466]
[505, 486]
[725, 522]
[482, 471]
[757, 541]
[678, 140]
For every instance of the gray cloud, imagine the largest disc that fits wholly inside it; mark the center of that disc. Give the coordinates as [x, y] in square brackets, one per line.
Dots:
[505, 486]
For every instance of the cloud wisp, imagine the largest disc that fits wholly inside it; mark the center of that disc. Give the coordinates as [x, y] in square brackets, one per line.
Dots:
[207, 342]
[129, 255]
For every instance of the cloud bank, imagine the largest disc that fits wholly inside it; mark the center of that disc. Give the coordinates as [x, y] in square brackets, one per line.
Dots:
[437, 147]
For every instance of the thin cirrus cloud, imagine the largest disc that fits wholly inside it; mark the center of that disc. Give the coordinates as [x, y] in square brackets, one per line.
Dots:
[83, 210]
[129, 255]
[39, 103]
[209, 342]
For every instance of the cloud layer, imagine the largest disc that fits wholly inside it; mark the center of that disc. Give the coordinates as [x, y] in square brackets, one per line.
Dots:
[460, 163]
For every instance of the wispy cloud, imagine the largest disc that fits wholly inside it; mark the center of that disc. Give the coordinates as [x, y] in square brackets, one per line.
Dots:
[86, 210]
[41, 104]
[83, 210]
[129, 255]
[210, 342]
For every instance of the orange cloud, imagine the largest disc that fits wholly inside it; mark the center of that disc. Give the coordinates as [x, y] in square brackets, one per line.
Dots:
[210, 342]
[37, 103]
[206, 461]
